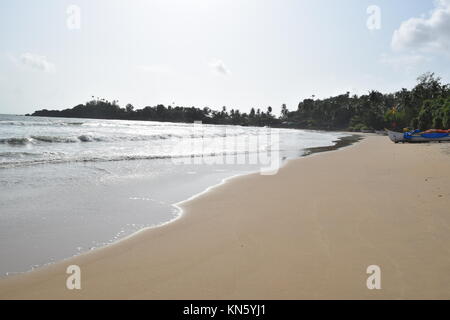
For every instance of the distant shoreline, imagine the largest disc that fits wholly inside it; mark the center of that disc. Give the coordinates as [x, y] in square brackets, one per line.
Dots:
[206, 123]
[273, 125]
[426, 106]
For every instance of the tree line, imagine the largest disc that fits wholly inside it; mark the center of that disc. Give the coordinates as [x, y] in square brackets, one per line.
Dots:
[425, 106]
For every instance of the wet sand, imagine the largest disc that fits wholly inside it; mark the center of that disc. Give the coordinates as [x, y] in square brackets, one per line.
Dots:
[308, 232]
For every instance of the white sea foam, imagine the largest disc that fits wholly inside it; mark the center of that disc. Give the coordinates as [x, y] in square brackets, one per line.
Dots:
[28, 141]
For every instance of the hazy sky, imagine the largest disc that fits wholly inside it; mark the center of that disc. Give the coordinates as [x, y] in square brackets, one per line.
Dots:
[241, 54]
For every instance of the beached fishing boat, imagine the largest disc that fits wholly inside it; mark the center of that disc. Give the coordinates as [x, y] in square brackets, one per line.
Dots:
[419, 136]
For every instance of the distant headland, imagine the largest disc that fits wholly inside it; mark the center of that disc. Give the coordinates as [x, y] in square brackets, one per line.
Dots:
[425, 106]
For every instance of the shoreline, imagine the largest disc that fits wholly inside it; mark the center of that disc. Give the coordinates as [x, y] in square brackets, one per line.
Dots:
[44, 280]
[340, 143]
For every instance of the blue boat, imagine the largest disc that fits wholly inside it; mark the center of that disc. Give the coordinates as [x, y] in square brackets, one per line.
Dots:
[419, 136]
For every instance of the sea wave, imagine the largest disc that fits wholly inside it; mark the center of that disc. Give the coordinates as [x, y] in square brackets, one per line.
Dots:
[37, 139]
[15, 141]
[18, 154]
[53, 139]
[113, 158]
[39, 123]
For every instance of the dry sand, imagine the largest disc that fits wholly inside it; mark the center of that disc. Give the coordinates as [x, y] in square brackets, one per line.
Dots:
[308, 232]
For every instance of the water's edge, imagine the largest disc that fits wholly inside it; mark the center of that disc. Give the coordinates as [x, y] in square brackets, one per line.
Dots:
[340, 143]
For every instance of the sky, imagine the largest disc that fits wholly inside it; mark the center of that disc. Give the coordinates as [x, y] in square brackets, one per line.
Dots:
[55, 54]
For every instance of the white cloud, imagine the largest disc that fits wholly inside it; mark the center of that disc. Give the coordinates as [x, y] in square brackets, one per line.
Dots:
[219, 67]
[37, 62]
[428, 33]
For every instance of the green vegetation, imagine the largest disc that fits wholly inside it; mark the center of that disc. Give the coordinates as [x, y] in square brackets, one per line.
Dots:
[425, 106]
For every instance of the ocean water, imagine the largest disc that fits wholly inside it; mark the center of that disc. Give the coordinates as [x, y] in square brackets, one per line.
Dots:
[72, 185]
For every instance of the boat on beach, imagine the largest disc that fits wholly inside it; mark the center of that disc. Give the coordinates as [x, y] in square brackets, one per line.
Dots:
[419, 136]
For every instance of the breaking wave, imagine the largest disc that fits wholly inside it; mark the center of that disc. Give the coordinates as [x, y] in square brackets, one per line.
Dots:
[62, 160]
[15, 141]
[39, 124]
[36, 139]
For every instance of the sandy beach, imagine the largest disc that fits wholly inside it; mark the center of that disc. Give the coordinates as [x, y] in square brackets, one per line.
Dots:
[308, 232]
